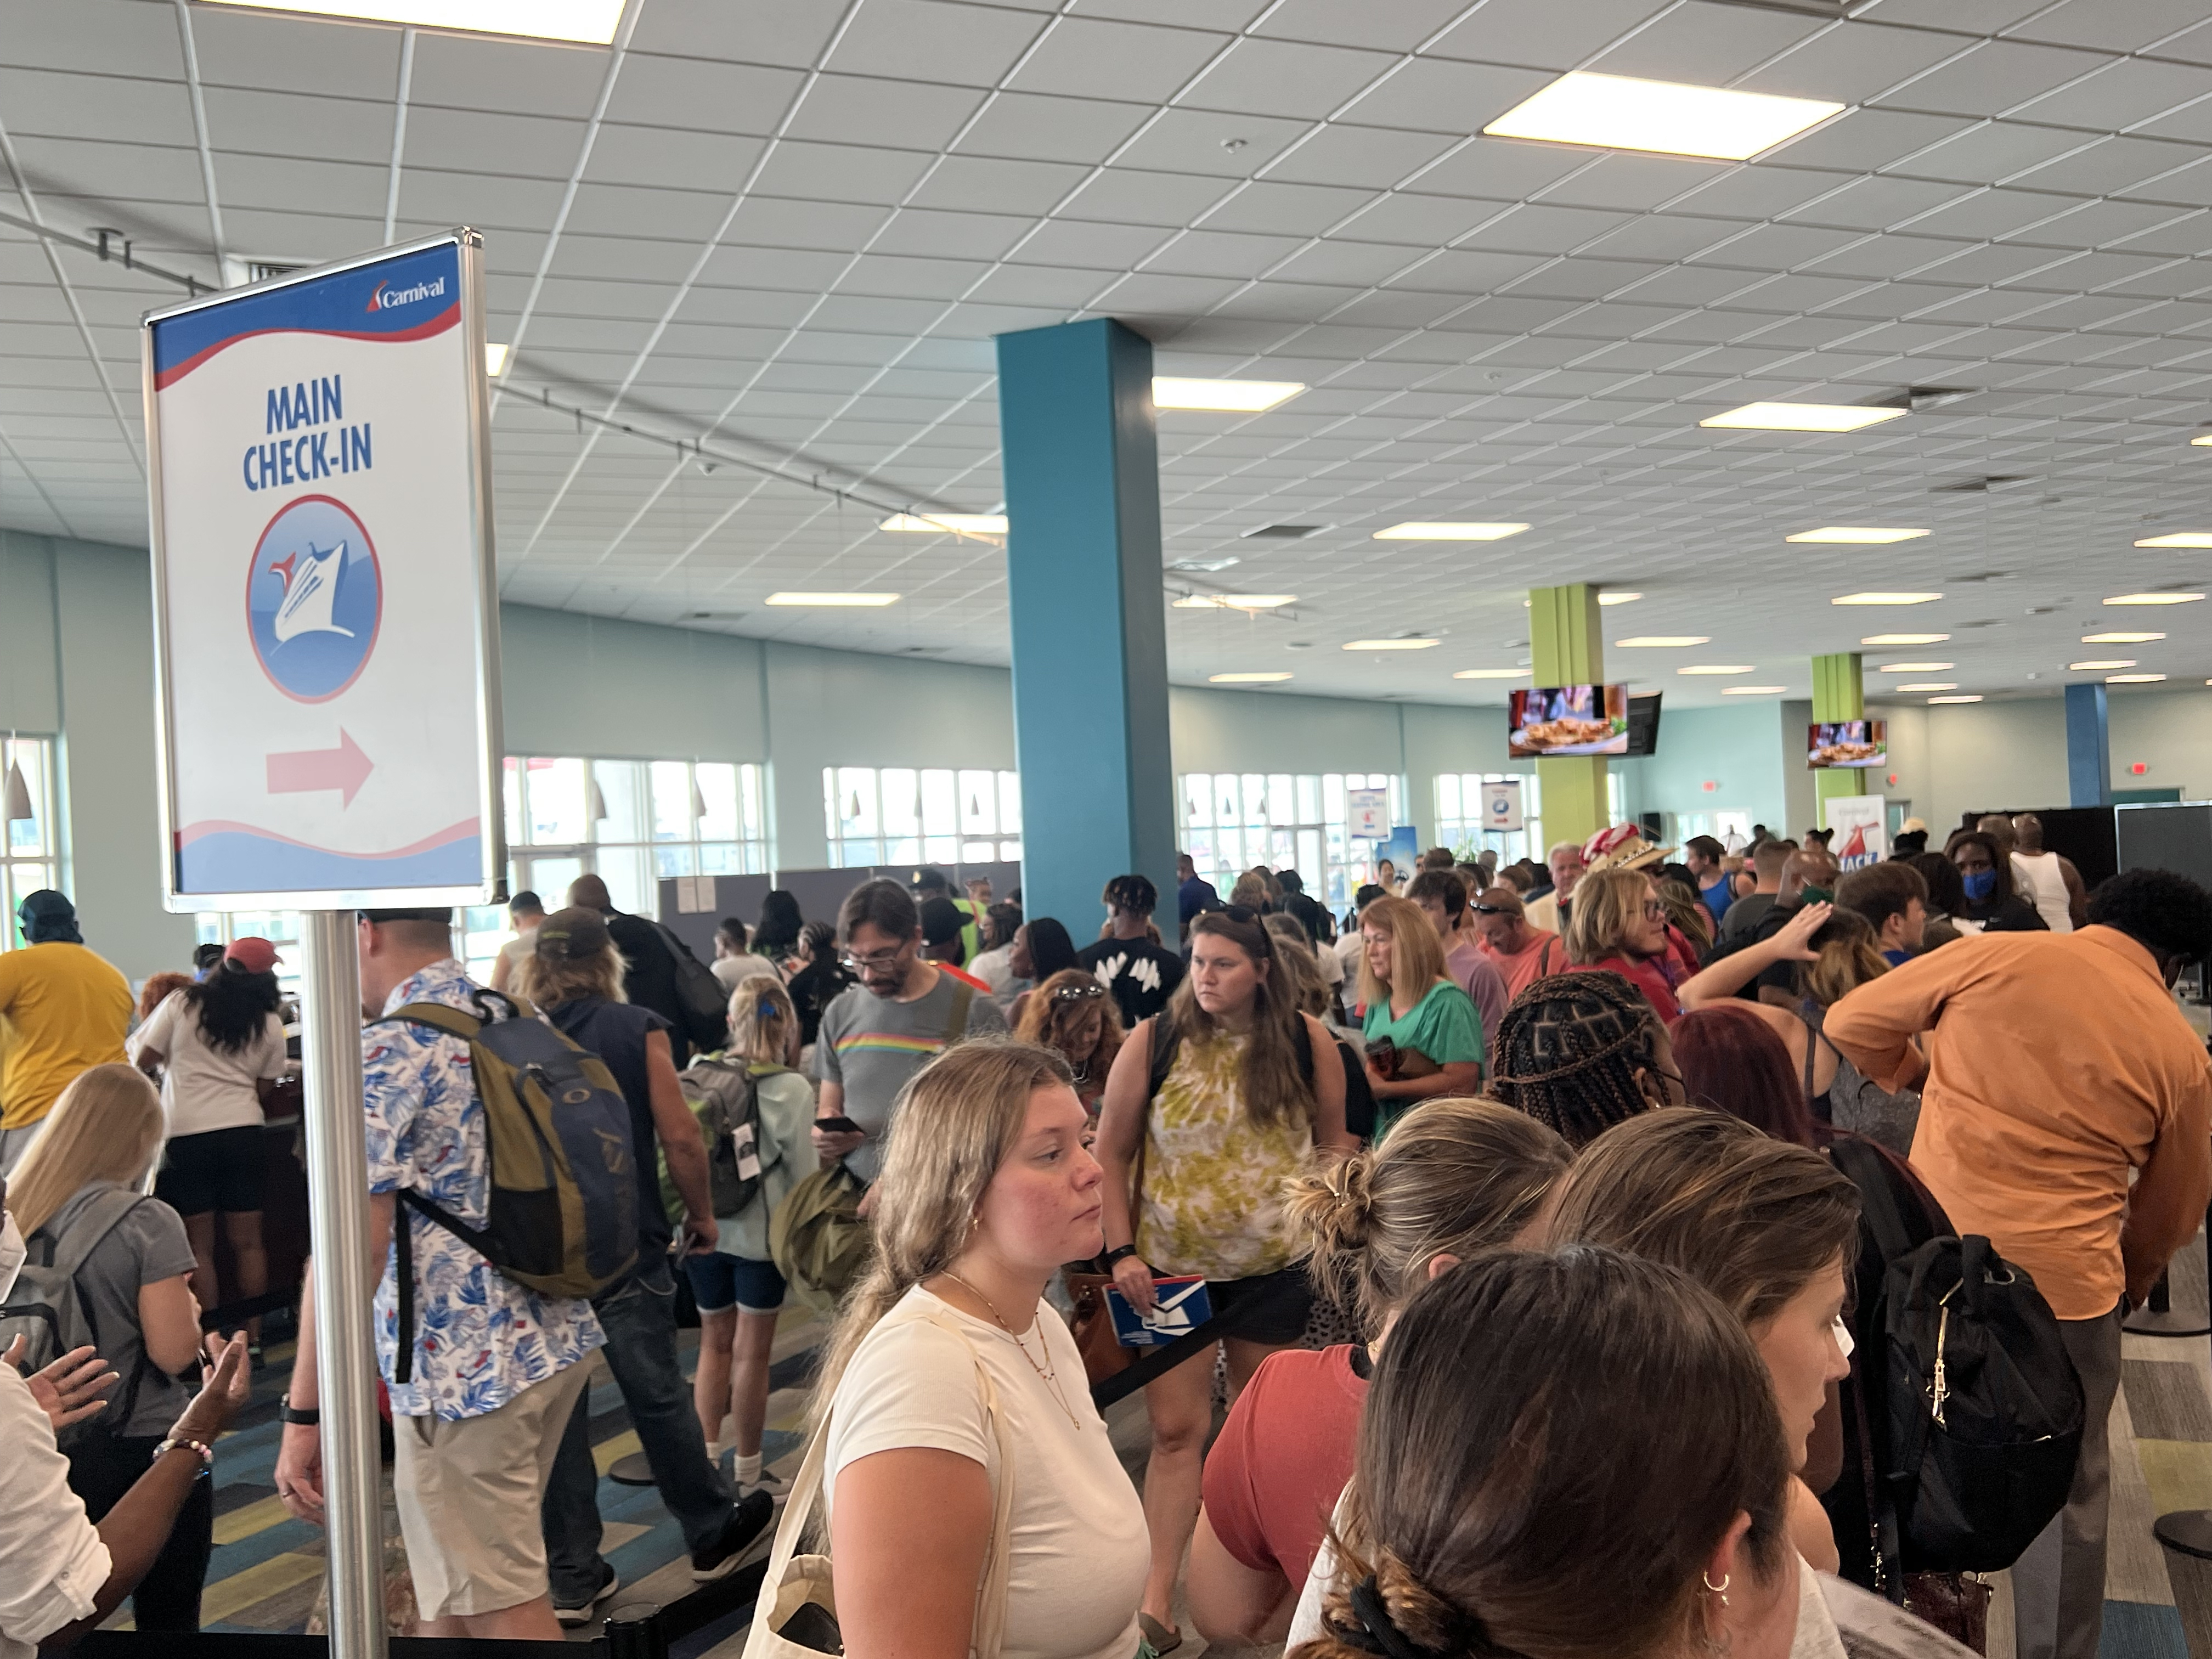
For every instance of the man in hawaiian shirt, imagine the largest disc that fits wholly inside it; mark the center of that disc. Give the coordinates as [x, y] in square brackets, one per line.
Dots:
[496, 1367]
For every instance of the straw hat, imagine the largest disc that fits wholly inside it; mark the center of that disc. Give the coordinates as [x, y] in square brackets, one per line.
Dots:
[1620, 848]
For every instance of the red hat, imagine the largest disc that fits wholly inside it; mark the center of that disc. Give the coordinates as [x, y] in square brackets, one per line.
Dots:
[253, 954]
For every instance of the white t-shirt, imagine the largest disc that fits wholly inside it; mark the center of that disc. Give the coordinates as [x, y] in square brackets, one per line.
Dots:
[995, 968]
[521, 945]
[205, 1088]
[55, 1560]
[1080, 1551]
[734, 971]
[2041, 884]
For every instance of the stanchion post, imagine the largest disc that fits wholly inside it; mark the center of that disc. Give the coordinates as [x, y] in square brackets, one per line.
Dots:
[345, 1281]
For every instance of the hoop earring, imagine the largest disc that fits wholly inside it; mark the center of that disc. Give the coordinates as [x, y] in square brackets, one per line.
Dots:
[1721, 1588]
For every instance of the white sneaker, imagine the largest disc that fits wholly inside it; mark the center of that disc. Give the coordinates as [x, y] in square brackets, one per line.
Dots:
[773, 1484]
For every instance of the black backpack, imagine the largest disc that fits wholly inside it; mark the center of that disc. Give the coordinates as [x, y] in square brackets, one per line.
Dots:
[706, 1003]
[1984, 1408]
[724, 1095]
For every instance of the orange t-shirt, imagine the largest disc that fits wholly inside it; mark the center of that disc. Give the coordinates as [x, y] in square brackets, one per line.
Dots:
[1275, 1475]
[1544, 954]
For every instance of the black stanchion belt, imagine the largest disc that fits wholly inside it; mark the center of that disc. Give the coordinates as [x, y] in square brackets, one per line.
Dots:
[1162, 1360]
[237, 1313]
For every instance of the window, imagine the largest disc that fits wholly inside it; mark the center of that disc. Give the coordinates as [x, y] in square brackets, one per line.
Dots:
[1285, 820]
[34, 844]
[629, 822]
[929, 814]
[1459, 817]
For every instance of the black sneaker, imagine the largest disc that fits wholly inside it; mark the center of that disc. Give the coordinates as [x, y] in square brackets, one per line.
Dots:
[748, 1525]
[585, 1612]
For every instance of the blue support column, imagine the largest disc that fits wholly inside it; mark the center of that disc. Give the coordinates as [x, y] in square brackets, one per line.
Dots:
[2088, 747]
[1081, 465]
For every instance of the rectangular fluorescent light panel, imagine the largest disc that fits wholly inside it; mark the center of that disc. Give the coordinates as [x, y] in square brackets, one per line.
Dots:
[1248, 679]
[1617, 111]
[941, 524]
[1719, 668]
[1851, 537]
[2132, 679]
[2101, 663]
[2153, 599]
[1492, 674]
[1448, 533]
[1753, 690]
[1388, 644]
[1904, 639]
[1240, 397]
[590, 22]
[1233, 601]
[1662, 642]
[2180, 538]
[1914, 667]
[1802, 417]
[1619, 598]
[1884, 598]
[1971, 696]
[2120, 639]
[495, 358]
[1930, 685]
[833, 598]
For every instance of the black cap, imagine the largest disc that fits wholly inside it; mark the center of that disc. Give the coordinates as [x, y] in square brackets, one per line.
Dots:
[941, 921]
[569, 935]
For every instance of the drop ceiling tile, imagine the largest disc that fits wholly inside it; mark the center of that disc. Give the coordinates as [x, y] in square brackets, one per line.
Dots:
[276, 123]
[1537, 229]
[1390, 25]
[1139, 61]
[306, 55]
[1439, 96]
[894, 276]
[840, 172]
[637, 211]
[1666, 236]
[1707, 44]
[1038, 285]
[1346, 153]
[1993, 78]
[1036, 127]
[1850, 62]
[921, 39]
[1630, 183]
[1541, 33]
[701, 96]
[1358, 263]
[2118, 28]
[1422, 220]
[522, 146]
[938, 234]
[825, 226]
[1204, 141]
[1103, 249]
[991, 184]
[2121, 94]
[1864, 139]
[514, 77]
[1286, 78]
[853, 109]
[1760, 192]
[80, 168]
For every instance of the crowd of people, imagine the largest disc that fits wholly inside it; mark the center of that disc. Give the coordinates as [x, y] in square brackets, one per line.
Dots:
[1604, 1131]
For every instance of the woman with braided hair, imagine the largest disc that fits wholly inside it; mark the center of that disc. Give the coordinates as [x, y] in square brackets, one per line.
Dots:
[1615, 1489]
[1580, 1052]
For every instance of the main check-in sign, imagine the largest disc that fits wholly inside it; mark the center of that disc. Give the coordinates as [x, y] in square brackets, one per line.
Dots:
[316, 507]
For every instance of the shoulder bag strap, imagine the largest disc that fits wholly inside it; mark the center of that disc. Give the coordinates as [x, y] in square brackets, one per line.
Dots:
[438, 1017]
[990, 1626]
[1812, 1054]
[799, 1509]
[101, 1217]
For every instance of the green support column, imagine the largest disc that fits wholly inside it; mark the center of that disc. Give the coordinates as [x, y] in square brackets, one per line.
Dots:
[1568, 648]
[1838, 693]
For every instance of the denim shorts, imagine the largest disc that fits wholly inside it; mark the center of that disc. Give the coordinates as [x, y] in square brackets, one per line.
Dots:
[720, 1282]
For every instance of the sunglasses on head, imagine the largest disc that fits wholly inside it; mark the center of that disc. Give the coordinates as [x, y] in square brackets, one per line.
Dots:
[1082, 993]
[1489, 909]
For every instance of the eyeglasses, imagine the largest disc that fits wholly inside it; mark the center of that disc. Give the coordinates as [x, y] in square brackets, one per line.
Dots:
[1653, 911]
[1489, 910]
[1079, 993]
[874, 962]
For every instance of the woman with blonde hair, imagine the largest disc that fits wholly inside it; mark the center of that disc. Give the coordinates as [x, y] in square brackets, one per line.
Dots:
[950, 1389]
[1256, 890]
[1072, 1014]
[736, 1284]
[1296, 953]
[1425, 1035]
[1457, 1177]
[80, 1189]
[1619, 924]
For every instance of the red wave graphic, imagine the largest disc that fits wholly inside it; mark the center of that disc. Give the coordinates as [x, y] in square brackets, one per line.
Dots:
[437, 325]
[192, 832]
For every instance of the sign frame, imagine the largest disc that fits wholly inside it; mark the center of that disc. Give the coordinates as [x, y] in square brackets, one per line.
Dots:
[468, 245]
[1367, 814]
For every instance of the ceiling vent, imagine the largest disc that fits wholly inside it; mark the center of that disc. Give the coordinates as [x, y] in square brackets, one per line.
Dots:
[241, 270]
[1986, 482]
[1283, 532]
[1980, 576]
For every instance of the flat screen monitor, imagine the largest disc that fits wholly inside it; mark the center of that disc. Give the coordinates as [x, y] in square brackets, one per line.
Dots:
[1568, 720]
[1848, 742]
[1644, 723]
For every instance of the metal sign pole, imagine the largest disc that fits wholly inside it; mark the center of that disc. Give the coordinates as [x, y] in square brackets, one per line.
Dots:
[345, 1281]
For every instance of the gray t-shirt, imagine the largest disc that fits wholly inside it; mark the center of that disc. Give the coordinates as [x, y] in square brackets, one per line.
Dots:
[146, 1247]
[872, 1045]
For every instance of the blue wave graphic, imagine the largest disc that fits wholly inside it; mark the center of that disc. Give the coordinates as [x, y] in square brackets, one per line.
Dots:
[235, 861]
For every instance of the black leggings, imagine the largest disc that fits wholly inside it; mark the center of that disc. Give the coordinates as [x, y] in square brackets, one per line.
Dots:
[104, 1466]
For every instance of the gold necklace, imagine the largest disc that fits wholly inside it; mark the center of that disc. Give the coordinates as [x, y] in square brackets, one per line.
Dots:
[1047, 1373]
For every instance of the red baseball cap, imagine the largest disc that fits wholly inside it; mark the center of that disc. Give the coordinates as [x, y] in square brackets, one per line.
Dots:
[252, 953]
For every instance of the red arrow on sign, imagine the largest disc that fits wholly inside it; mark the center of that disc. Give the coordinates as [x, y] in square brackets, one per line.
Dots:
[344, 767]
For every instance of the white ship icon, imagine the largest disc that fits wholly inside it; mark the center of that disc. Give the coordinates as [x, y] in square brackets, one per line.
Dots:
[311, 589]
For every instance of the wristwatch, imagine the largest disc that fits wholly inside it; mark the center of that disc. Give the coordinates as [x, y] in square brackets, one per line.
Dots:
[1119, 1253]
[307, 1419]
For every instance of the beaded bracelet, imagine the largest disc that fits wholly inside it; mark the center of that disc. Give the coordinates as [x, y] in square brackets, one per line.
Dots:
[206, 1451]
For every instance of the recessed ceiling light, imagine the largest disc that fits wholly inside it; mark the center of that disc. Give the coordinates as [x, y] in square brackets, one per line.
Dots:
[1753, 690]
[1388, 644]
[1884, 598]
[1930, 685]
[940, 523]
[495, 358]
[2120, 639]
[2204, 442]
[2153, 599]
[1240, 397]
[1914, 667]
[2180, 538]
[1802, 417]
[2101, 662]
[1233, 601]
[1248, 679]
[1971, 696]
[1637, 642]
[589, 21]
[833, 598]
[1448, 533]
[1853, 536]
[1904, 639]
[2132, 679]
[1617, 111]
[1718, 668]
[1492, 674]
[1619, 598]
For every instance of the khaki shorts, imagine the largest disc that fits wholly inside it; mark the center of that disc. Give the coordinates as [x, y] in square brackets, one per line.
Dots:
[469, 1494]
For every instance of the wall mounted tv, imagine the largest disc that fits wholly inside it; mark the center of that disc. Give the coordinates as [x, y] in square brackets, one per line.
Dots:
[1567, 720]
[1847, 743]
[1644, 723]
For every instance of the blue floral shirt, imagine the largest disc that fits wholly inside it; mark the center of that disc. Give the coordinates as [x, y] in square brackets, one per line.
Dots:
[480, 1338]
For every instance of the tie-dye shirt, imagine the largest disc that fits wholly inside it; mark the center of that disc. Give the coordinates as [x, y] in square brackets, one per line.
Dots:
[870, 1045]
[480, 1338]
[1214, 1179]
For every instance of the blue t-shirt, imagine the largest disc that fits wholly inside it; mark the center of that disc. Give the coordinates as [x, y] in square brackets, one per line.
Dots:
[1717, 899]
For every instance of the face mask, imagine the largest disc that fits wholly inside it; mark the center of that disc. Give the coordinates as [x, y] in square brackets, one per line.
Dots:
[1980, 885]
[12, 1252]
[1820, 896]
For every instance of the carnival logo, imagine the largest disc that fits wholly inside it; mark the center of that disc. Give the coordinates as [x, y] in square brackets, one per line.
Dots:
[386, 297]
[315, 600]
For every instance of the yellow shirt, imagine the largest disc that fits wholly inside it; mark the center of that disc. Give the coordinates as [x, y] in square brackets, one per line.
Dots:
[63, 1009]
[2059, 1064]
